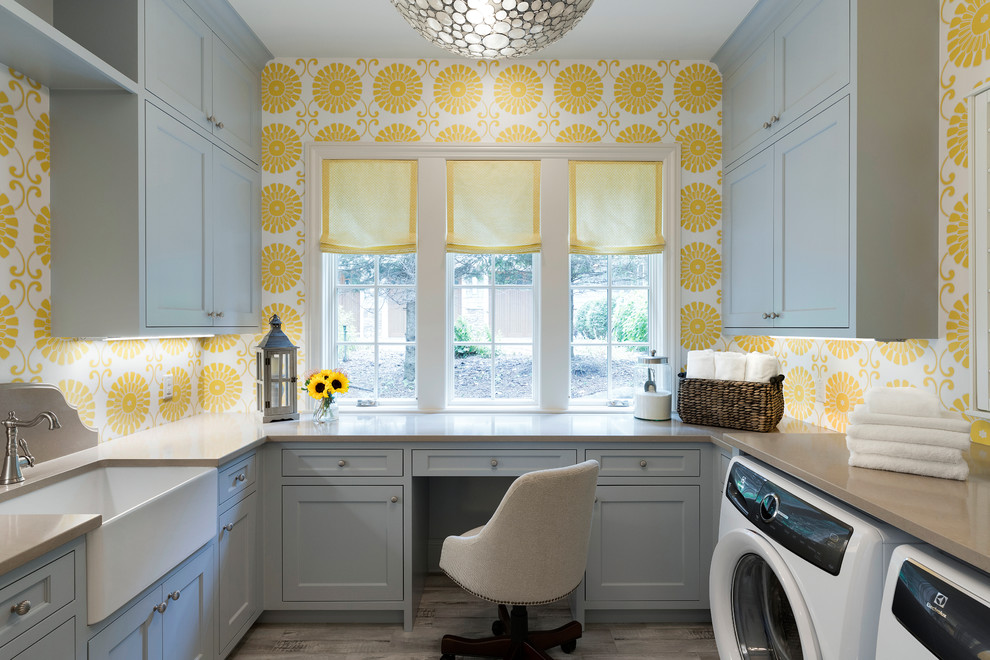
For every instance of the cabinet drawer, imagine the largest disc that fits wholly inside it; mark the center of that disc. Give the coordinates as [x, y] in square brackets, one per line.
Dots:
[648, 462]
[237, 478]
[341, 462]
[509, 463]
[46, 590]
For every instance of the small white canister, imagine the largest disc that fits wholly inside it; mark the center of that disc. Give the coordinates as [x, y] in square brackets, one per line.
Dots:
[653, 402]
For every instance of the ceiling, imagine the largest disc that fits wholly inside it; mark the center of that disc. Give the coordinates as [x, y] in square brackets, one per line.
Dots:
[613, 29]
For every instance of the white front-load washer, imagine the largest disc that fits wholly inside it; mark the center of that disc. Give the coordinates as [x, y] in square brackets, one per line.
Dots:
[933, 607]
[795, 574]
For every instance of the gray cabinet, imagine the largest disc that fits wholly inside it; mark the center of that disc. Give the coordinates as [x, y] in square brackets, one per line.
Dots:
[59, 643]
[342, 543]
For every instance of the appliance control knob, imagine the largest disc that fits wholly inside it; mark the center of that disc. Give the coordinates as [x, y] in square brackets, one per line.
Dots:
[769, 507]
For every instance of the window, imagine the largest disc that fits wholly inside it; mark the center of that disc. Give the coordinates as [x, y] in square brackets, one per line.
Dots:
[541, 321]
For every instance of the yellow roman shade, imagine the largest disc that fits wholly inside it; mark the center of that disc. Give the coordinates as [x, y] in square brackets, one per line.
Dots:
[493, 206]
[616, 207]
[369, 206]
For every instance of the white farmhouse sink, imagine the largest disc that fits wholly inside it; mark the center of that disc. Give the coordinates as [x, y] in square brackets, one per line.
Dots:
[153, 518]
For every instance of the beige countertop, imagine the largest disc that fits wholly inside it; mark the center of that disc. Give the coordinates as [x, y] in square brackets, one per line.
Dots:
[30, 536]
[953, 516]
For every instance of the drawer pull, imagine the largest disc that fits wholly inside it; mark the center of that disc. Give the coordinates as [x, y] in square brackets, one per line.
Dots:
[394, 499]
[229, 527]
[241, 477]
[161, 607]
[642, 464]
[341, 462]
[174, 595]
[494, 462]
[21, 608]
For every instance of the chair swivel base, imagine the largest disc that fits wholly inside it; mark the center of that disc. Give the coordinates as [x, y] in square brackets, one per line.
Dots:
[518, 642]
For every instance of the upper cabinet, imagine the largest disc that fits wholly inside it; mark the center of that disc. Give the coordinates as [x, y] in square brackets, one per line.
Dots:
[831, 170]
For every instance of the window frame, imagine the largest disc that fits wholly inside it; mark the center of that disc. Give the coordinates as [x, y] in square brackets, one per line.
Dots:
[551, 352]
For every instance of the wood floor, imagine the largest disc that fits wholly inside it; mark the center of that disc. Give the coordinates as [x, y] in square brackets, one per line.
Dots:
[448, 609]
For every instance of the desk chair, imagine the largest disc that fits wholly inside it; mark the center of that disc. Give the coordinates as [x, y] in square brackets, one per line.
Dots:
[533, 551]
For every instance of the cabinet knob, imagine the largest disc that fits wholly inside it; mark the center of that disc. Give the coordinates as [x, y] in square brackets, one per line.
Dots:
[161, 607]
[394, 499]
[774, 315]
[229, 527]
[494, 462]
[211, 314]
[21, 608]
[596, 499]
[774, 119]
[219, 124]
[766, 124]
[341, 462]
[241, 477]
[211, 119]
[174, 595]
[219, 315]
[642, 464]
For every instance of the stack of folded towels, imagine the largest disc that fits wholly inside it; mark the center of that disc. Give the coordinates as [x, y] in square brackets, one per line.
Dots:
[729, 365]
[903, 429]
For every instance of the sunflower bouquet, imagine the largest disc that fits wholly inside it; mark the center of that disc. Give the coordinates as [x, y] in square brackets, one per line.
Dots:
[322, 385]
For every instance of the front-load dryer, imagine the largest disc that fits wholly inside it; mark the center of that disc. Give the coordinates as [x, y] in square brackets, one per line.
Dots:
[795, 574]
[933, 607]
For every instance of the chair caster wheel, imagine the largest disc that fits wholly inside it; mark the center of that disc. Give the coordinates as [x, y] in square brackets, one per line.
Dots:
[498, 628]
[569, 647]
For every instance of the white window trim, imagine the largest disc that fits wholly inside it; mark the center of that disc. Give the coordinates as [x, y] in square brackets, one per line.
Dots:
[554, 316]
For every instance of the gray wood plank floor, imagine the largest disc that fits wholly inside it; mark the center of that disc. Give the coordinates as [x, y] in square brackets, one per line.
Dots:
[447, 609]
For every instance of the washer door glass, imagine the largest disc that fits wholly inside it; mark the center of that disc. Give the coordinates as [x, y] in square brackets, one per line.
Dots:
[762, 616]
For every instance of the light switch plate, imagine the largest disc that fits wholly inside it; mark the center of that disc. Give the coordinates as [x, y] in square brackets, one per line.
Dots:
[167, 387]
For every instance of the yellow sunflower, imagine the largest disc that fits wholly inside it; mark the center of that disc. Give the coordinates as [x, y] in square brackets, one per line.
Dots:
[8, 226]
[578, 88]
[579, 133]
[79, 397]
[174, 345]
[701, 207]
[281, 268]
[43, 235]
[336, 88]
[799, 346]
[701, 266]
[337, 133]
[842, 394]
[219, 387]
[898, 382]
[42, 142]
[518, 89]
[176, 408]
[60, 350]
[957, 137]
[291, 322]
[518, 133]
[337, 381]
[127, 348]
[700, 326]
[8, 125]
[280, 148]
[638, 134]
[318, 386]
[957, 331]
[8, 326]
[128, 403]
[969, 33]
[799, 393]
[281, 208]
[397, 88]
[638, 89]
[458, 133]
[397, 133]
[903, 352]
[218, 343]
[841, 348]
[280, 87]
[457, 89]
[957, 232]
[702, 147]
[755, 343]
[698, 88]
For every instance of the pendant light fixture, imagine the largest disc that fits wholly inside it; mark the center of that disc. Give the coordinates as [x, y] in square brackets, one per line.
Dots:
[492, 29]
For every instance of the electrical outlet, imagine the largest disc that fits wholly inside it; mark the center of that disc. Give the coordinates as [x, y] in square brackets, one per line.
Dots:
[820, 389]
[167, 387]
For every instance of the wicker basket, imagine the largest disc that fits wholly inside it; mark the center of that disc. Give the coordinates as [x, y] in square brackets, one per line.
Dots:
[731, 403]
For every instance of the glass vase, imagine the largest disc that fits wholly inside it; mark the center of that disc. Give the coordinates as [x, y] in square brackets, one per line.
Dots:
[325, 411]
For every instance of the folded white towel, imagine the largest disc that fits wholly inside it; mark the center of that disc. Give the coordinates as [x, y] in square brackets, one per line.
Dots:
[901, 401]
[903, 450]
[700, 364]
[946, 421]
[760, 367]
[730, 365]
[957, 471]
[910, 435]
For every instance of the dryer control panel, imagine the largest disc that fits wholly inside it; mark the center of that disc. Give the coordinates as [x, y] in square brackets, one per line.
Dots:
[802, 528]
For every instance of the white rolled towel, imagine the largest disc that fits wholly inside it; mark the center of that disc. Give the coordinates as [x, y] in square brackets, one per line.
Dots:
[946, 421]
[760, 367]
[910, 435]
[903, 450]
[730, 365]
[700, 364]
[958, 471]
[901, 401]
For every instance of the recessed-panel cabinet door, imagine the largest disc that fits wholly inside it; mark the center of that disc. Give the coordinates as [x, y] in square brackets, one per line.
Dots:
[748, 102]
[59, 643]
[811, 284]
[236, 102]
[179, 164]
[137, 633]
[238, 560]
[178, 59]
[236, 243]
[187, 623]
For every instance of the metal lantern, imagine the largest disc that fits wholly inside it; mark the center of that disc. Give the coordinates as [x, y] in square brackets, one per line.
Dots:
[276, 375]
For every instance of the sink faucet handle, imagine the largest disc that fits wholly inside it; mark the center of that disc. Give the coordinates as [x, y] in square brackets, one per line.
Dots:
[26, 453]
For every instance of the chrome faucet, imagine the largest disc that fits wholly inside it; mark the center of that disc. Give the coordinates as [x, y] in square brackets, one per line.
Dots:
[12, 461]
